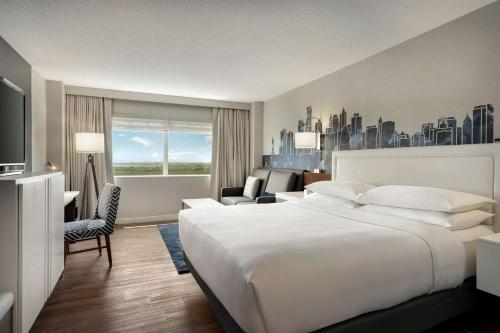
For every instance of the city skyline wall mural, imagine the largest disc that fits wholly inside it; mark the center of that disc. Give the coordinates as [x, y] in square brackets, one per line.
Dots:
[345, 131]
[439, 88]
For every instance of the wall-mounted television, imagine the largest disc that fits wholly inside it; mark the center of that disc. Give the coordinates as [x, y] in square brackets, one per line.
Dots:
[12, 136]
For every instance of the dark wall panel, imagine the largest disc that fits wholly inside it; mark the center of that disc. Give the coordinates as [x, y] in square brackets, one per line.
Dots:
[17, 70]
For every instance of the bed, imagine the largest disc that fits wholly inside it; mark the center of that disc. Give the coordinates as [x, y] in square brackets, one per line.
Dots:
[302, 266]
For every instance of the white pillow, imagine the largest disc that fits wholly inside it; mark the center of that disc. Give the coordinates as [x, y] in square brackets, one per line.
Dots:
[251, 187]
[329, 200]
[424, 198]
[343, 189]
[451, 221]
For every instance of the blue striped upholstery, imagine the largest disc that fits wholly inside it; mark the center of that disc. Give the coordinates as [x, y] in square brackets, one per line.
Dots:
[107, 207]
[104, 219]
[83, 229]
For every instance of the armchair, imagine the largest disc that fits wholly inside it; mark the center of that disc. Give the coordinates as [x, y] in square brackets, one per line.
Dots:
[234, 195]
[231, 191]
[272, 181]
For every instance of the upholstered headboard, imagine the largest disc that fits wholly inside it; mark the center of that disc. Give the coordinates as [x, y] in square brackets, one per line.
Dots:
[469, 168]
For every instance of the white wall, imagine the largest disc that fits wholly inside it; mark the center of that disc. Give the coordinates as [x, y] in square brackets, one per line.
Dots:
[157, 198]
[154, 110]
[56, 111]
[156, 98]
[38, 121]
[445, 71]
[256, 116]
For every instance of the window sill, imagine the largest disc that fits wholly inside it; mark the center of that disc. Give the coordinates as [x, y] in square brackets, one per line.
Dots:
[159, 176]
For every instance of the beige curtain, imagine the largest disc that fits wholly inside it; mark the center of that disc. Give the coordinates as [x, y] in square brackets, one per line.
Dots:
[87, 114]
[231, 149]
[108, 141]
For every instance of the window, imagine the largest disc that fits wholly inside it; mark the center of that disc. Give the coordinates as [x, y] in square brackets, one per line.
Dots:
[189, 153]
[159, 147]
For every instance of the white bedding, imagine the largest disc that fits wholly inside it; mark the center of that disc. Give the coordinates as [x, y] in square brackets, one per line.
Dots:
[469, 237]
[300, 266]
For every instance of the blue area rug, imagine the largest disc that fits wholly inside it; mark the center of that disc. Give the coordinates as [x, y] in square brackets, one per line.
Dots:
[170, 235]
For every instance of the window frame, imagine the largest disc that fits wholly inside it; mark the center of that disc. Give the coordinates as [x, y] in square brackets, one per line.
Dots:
[165, 142]
[165, 153]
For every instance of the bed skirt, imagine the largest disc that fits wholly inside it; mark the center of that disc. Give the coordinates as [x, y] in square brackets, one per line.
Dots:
[416, 315]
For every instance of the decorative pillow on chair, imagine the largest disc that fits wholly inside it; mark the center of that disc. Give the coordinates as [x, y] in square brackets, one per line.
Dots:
[251, 187]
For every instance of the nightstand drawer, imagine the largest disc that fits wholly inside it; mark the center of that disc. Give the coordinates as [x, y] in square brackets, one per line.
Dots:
[488, 265]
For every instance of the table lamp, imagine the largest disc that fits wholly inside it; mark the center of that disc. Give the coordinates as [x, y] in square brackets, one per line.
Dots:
[304, 140]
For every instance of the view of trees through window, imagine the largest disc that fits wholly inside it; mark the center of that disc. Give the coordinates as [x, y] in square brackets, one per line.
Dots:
[146, 152]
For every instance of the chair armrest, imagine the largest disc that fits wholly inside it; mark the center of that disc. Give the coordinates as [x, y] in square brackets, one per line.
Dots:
[266, 200]
[231, 191]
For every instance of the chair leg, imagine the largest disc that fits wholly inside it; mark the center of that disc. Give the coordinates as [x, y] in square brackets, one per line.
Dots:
[108, 248]
[99, 245]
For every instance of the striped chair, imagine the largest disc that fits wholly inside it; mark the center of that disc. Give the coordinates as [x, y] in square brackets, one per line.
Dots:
[103, 223]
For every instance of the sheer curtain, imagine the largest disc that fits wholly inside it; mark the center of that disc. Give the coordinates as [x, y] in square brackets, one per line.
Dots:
[231, 148]
[87, 114]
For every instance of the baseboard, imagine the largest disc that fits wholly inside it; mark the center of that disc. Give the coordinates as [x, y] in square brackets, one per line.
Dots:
[146, 219]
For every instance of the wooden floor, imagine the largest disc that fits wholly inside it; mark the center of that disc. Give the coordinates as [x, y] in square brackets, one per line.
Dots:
[144, 293]
[141, 293]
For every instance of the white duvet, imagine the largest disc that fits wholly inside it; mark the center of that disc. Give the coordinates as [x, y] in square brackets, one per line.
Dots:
[300, 266]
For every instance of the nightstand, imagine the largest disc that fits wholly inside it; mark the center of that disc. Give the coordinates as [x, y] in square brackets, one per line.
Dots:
[287, 196]
[488, 264]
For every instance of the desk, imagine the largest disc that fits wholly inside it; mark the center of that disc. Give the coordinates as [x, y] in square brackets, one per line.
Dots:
[70, 209]
[6, 302]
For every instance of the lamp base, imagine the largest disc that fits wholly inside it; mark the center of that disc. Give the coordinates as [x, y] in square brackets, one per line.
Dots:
[90, 162]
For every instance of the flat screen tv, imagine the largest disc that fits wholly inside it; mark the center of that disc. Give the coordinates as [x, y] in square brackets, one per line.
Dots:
[12, 104]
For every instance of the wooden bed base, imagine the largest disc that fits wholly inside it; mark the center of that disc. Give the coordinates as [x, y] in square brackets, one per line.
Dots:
[417, 315]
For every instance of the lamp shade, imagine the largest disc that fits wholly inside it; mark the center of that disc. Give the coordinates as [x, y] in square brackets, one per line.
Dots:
[89, 142]
[305, 140]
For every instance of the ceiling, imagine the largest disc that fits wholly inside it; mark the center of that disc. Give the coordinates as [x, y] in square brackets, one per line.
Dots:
[233, 50]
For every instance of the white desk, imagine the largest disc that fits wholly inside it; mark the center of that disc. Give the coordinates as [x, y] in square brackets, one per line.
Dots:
[70, 196]
[70, 209]
[6, 303]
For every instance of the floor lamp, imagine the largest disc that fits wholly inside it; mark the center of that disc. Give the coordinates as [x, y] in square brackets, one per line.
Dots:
[91, 144]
